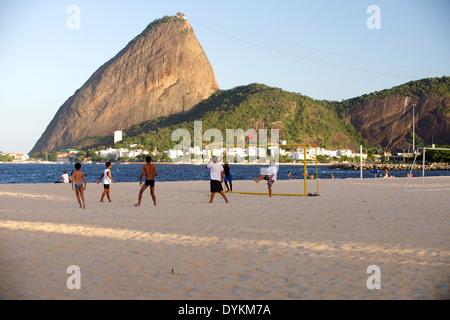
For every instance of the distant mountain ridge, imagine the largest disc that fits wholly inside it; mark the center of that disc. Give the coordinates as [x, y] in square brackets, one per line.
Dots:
[162, 71]
[378, 119]
[385, 118]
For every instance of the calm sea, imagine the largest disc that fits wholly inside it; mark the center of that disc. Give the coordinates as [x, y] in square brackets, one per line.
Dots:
[50, 173]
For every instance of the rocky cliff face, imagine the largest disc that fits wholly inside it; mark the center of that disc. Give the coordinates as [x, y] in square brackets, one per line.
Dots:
[386, 122]
[162, 71]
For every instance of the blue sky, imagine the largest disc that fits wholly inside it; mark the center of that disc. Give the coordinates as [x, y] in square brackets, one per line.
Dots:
[322, 49]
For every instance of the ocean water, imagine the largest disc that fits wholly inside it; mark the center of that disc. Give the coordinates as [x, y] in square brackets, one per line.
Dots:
[50, 173]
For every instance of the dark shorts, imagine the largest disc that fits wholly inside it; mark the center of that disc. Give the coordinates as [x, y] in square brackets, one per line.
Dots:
[78, 185]
[150, 183]
[216, 186]
[106, 186]
[228, 178]
[269, 182]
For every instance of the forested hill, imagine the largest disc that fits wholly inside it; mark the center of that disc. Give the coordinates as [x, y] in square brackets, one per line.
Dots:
[299, 119]
[385, 118]
[381, 119]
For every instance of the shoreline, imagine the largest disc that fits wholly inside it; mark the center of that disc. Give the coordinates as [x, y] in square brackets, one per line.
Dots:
[168, 163]
[392, 167]
[299, 180]
[339, 166]
[207, 180]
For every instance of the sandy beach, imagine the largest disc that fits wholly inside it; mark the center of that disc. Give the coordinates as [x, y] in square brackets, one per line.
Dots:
[254, 247]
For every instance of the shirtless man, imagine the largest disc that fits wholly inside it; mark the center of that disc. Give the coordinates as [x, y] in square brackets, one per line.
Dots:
[150, 173]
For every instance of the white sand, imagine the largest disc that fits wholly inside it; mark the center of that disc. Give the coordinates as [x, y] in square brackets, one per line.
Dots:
[251, 248]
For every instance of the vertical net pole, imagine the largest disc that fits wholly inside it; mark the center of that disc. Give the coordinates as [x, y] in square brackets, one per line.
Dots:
[360, 160]
[423, 169]
[317, 168]
[304, 168]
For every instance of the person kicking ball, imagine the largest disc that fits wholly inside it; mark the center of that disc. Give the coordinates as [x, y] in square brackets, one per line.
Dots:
[270, 175]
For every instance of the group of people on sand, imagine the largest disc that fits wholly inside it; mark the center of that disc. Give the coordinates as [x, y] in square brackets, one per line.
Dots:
[218, 175]
[79, 182]
[303, 175]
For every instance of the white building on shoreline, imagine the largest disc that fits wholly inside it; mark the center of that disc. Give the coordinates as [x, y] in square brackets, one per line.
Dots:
[115, 154]
[20, 157]
[257, 152]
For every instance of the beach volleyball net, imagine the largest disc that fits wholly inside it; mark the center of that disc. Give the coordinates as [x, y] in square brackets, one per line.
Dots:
[424, 182]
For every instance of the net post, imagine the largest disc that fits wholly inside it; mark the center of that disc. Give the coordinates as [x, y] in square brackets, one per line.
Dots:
[423, 169]
[305, 175]
[317, 168]
[361, 162]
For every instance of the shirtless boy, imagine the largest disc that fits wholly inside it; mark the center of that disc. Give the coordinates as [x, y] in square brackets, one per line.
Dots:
[150, 173]
[78, 178]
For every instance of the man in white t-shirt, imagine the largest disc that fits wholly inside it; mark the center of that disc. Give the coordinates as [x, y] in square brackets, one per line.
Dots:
[270, 175]
[216, 174]
[106, 180]
[64, 177]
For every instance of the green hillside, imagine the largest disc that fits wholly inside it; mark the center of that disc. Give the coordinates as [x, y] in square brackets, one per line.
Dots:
[300, 119]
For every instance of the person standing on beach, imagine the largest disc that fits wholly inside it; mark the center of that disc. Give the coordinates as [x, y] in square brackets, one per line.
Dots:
[270, 175]
[216, 174]
[107, 180]
[150, 173]
[228, 177]
[78, 179]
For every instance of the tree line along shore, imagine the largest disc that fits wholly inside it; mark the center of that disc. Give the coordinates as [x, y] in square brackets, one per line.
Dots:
[391, 166]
